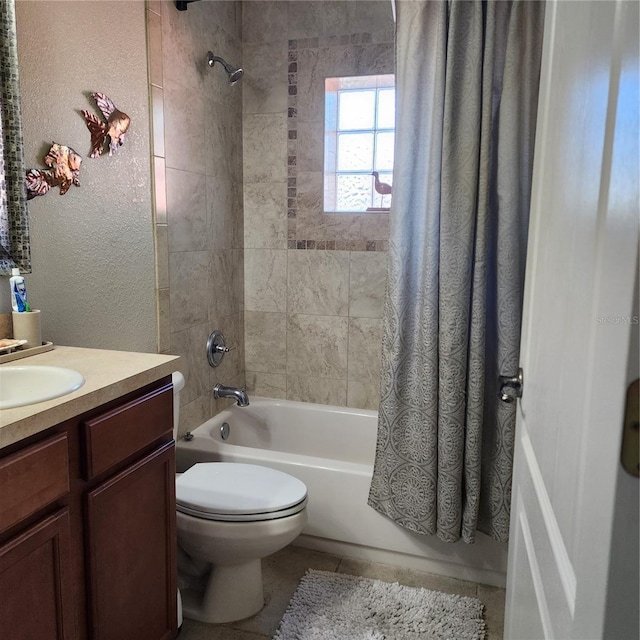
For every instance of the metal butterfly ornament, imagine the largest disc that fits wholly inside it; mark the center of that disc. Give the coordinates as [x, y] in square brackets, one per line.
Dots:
[116, 125]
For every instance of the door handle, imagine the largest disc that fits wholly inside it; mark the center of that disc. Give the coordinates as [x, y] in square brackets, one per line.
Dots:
[510, 387]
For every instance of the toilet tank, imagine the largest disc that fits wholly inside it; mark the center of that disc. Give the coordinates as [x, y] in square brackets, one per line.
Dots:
[178, 385]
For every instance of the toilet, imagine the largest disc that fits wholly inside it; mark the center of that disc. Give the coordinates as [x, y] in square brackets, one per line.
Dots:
[230, 516]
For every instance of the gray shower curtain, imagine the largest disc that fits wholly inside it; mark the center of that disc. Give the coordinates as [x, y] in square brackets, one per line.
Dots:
[467, 83]
[14, 225]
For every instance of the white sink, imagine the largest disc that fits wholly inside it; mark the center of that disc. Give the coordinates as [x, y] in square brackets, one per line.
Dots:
[20, 386]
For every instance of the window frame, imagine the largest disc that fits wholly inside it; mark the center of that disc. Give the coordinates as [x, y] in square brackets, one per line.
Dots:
[334, 89]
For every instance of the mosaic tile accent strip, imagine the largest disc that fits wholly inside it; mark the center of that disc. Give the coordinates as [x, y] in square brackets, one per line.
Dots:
[293, 241]
[292, 145]
[14, 221]
[339, 245]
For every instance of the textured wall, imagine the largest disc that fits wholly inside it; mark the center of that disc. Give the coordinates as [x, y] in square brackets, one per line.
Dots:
[93, 264]
[197, 147]
[314, 282]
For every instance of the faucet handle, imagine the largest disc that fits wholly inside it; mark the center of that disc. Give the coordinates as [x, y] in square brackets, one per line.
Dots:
[219, 348]
[216, 348]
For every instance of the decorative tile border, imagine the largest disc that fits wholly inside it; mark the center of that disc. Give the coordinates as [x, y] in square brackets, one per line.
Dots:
[339, 245]
[293, 242]
[15, 250]
[292, 144]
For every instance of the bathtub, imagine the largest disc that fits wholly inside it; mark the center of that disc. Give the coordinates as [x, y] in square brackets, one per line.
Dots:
[331, 449]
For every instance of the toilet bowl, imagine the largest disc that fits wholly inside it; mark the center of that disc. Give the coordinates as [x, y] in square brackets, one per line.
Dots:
[229, 517]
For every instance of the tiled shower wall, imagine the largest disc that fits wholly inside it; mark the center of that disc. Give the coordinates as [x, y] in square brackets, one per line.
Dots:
[197, 167]
[314, 282]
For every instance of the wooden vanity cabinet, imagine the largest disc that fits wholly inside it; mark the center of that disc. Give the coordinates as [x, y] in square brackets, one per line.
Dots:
[36, 594]
[87, 525]
[131, 551]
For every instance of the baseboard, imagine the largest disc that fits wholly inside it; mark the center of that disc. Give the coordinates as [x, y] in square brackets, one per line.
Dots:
[418, 563]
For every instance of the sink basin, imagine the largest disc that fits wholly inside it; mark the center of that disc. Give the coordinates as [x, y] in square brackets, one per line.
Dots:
[20, 386]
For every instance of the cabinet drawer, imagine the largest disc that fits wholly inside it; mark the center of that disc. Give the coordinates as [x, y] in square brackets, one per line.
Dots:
[33, 478]
[117, 434]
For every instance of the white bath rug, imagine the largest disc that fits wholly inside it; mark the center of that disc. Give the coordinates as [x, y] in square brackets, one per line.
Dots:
[332, 606]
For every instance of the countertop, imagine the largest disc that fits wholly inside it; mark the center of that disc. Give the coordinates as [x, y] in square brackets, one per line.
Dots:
[108, 375]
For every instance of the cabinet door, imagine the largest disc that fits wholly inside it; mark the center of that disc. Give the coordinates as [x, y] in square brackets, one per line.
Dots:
[131, 551]
[35, 596]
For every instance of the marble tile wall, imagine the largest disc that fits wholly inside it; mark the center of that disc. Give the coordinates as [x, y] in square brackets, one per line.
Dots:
[314, 282]
[197, 170]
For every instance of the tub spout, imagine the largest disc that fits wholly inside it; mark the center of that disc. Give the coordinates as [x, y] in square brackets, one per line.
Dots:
[240, 395]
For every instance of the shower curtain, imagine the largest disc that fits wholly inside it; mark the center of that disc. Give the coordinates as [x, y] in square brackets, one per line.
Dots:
[14, 226]
[467, 84]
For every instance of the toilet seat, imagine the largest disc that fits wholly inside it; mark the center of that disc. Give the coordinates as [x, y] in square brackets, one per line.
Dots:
[238, 492]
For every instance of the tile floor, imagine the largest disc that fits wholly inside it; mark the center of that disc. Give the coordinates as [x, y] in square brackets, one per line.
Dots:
[283, 570]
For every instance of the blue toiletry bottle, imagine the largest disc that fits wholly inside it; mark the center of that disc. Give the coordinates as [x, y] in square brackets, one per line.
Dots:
[18, 292]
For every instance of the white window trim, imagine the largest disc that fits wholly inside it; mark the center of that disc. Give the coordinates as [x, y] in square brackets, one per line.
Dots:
[333, 88]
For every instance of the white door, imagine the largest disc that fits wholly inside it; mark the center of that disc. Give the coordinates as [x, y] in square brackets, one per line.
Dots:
[578, 319]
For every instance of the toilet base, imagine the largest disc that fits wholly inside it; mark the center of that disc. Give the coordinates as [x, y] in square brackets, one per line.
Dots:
[232, 593]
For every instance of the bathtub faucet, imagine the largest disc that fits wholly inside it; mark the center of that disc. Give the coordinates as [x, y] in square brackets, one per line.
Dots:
[242, 399]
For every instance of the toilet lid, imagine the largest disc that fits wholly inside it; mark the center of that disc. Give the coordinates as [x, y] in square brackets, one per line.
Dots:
[233, 491]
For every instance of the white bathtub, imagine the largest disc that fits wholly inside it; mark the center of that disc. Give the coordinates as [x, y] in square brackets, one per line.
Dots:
[331, 449]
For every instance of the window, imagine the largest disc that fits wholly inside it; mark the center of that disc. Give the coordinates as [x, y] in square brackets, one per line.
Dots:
[359, 140]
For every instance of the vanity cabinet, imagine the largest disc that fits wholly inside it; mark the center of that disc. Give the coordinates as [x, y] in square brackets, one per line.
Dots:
[36, 598]
[36, 594]
[87, 525]
[131, 517]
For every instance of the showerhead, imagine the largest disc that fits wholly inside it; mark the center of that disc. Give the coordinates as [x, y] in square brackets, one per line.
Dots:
[234, 73]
